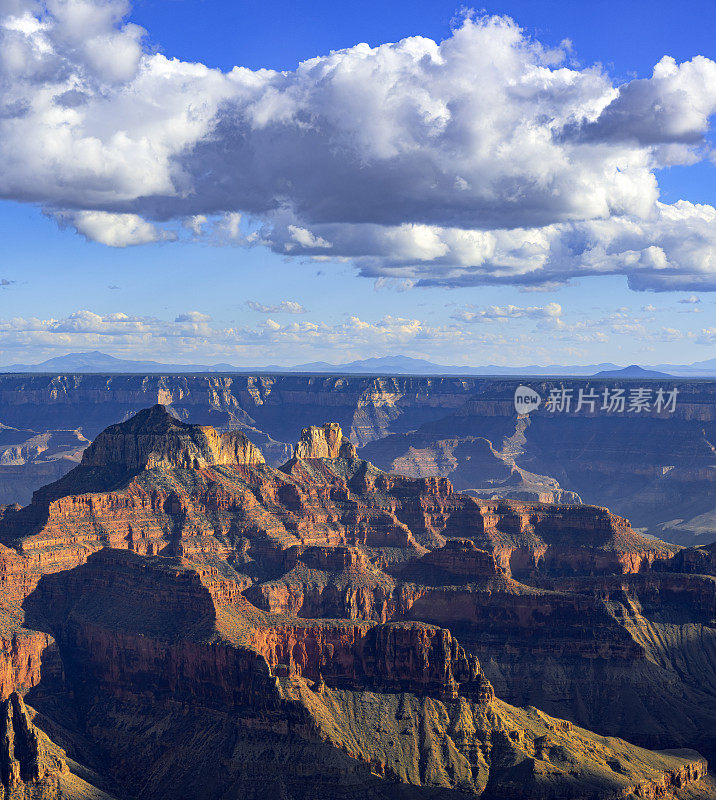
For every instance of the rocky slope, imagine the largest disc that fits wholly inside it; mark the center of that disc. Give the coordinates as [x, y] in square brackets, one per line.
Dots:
[475, 465]
[185, 620]
[629, 654]
[29, 459]
[369, 709]
[154, 439]
[197, 494]
[32, 767]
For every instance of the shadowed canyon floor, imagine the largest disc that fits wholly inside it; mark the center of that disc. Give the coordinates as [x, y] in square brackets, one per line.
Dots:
[181, 619]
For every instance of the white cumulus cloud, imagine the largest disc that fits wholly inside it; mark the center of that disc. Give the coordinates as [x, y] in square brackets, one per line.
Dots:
[114, 230]
[483, 158]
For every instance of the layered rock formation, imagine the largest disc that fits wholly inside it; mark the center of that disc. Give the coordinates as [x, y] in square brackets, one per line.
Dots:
[21, 655]
[700, 560]
[365, 708]
[237, 502]
[176, 604]
[279, 405]
[325, 442]
[475, 465]
[153, 439]
[656, 468]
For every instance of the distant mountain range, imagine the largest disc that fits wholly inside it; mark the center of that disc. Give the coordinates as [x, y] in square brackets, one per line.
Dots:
[387, 365]
[632, 371]
[101, 362]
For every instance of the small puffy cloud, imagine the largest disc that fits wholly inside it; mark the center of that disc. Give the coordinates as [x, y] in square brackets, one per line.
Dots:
[196, 224]
[284, 307]
[114, 230]
[396, 284]
[192, 317]
[229, 226]
[306, 239]
[690, 300]
[5, 282]
[551, 311]
[669, 334]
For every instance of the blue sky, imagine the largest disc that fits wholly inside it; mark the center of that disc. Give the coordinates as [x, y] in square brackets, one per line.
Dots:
[218, 291]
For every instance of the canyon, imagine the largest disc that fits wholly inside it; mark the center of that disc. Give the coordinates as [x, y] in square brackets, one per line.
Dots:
[182, 617]
[657, 469]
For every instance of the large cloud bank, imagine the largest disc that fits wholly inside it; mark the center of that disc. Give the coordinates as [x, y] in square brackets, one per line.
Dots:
[481, 159]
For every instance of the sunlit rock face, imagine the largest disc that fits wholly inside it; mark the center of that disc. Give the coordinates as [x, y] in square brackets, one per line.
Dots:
[324, 442]
[155, 439]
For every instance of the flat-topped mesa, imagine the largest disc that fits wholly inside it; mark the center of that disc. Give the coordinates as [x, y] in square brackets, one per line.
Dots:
[423, 659]
[462, 558]
[153, 438]
[326, 441]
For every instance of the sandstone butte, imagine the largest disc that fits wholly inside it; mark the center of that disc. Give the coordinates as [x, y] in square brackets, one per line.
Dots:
[181, 620]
